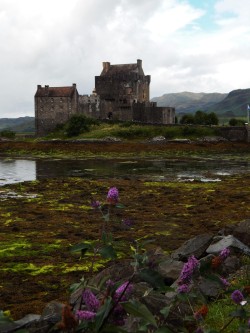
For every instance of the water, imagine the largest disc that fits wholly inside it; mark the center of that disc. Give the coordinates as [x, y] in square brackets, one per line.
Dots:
[206, 170]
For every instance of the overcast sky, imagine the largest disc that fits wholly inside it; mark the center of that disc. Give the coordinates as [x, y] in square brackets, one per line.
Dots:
[185, 45]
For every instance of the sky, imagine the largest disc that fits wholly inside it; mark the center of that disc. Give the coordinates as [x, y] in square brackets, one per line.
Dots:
[185, 45]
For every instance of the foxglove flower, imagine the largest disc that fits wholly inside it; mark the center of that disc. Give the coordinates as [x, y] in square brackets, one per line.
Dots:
[95, 204]
[188, 270]
[183, 288]
[113, 195]
[85, 315]
[224, 253]
[92, 303]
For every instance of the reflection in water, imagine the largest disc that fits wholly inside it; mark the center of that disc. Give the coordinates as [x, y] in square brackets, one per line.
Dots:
[15, 170]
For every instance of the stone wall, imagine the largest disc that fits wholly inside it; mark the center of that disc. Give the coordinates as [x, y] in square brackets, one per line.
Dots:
[235, 133]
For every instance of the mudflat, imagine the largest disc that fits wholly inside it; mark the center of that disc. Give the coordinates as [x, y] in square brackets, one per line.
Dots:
[41, 220]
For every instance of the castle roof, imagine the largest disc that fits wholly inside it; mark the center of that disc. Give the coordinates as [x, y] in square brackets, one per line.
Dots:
[48, 91]
[110, 70]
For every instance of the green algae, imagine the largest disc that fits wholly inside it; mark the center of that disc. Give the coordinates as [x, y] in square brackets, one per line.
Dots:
[28, 268]
[18, 247]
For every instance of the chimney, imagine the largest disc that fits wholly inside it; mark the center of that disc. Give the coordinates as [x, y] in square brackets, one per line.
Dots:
[106, 66]
[39, 86]
[46, 90]
[139, 63]
[74, 85]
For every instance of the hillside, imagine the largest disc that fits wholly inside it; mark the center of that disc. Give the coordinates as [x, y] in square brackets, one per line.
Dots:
[19, 125]
[234, 105]
[188, 102]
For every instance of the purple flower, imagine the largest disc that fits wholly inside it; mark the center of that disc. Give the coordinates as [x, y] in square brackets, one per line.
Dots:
[237, 296]
[188, 270]
[95, 204]
[125, 290]
[183, 288]
[248, 323]
[127, 223]
[113, 195]
[224, 282]
[224, 253]
[90, 300]
[85, 315]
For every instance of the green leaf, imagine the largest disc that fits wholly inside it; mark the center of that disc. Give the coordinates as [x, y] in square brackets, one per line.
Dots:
[73, 287]
[163, 329]
[119, 205]
[165, 311]
[153, 278]
[140, 310]
[239, 313]
[108, 252]
[102, 313]
[83, 247]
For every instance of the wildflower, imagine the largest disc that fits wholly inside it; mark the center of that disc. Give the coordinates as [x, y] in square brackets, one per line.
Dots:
[127, 223]
[123, 291]
[183, 288]
[113, 195]
[237, 296]
[224, 282]
[224, 253]
[216, 262]
[248, 323]
[95, 204]
[188, 270]
[201, 313]
[90, 300]
[85, 315]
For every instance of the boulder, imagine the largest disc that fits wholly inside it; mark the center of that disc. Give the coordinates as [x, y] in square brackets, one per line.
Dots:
[242, 232]
[195, 246]
[226, 242]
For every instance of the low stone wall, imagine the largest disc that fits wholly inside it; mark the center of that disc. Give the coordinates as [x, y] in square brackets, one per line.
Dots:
[235, 133]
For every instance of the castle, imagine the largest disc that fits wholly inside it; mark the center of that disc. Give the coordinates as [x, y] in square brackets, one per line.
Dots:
[121, 93]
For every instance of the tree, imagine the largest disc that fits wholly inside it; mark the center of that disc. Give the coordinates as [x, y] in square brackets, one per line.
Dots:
[187, 119]
[212, 119]
[77, 124]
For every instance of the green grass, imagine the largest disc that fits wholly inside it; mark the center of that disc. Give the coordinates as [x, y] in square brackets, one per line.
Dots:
[131, 131]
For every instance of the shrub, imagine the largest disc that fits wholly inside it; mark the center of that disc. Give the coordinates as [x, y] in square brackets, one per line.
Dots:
[79, 124]
[7, 133]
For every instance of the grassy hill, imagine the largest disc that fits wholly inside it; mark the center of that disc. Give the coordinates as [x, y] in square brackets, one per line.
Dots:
[18, 125]
[234, 105]
[188, 102]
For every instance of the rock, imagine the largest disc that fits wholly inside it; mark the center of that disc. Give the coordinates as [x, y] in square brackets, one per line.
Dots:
[230, 265]
[226, 242]
[242, 232]
[170, 269]
[195, 246]
[158, 139]
[25, 322]
[209, 288]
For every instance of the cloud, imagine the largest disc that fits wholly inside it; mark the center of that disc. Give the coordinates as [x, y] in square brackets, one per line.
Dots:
[184, 46]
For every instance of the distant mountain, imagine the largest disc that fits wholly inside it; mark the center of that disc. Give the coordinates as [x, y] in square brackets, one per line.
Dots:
[19, 125]
[232, 105]
[235, 104]
[189, 102]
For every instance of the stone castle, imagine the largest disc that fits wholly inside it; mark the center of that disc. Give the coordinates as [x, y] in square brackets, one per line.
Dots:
[122, 92]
